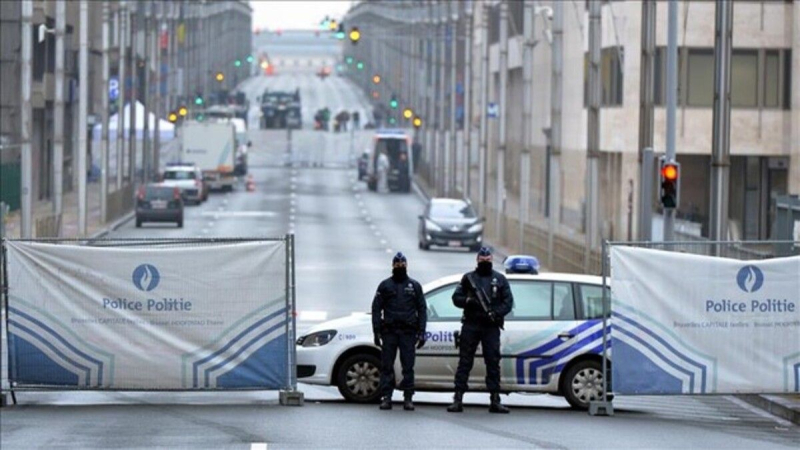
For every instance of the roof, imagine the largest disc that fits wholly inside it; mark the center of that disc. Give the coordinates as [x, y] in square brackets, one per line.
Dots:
[546, 276]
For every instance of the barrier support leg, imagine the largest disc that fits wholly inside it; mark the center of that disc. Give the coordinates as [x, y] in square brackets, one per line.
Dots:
[601, 408]
[291, 398]
[4, 398]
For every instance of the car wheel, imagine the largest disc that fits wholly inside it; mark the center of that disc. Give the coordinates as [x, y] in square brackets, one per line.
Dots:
[424, 246]
[138, 223]
[359, 377]
[583, 383]
[180, 222]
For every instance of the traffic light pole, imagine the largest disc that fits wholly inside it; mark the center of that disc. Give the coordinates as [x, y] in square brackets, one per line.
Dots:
[672, 92]
[104, 114]
[502, 103]
[593, 135]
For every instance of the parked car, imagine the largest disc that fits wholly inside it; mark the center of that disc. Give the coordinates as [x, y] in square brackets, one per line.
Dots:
[159, 203]
[449, 222]
[552, 343]
[189, 179]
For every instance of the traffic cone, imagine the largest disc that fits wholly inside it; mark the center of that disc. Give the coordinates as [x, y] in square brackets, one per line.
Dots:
[250, 184]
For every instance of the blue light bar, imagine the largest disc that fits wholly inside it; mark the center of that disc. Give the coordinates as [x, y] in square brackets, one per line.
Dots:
[522, 264]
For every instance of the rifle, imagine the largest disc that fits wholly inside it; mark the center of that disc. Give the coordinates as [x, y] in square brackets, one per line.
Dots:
[483, 300]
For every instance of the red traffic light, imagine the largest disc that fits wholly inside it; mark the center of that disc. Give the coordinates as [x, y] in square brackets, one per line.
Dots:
[669, 172]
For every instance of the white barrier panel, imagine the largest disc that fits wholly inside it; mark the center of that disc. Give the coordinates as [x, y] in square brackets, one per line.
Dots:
[690, 324]
[204, 316]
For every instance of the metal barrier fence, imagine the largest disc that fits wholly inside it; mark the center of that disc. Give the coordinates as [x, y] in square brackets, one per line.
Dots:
[749, 279]
[150, 315]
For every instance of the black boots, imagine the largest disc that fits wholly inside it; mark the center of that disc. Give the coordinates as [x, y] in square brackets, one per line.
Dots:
[457, 406]
[386, 403]
[408, 405]
[495, 406]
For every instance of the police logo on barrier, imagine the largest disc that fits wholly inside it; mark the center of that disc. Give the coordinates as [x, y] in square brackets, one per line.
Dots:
[146, 277]
[750, 278]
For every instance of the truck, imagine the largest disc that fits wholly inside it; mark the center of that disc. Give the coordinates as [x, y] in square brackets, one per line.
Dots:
[394, 143]
[211, 146]
[280, 109]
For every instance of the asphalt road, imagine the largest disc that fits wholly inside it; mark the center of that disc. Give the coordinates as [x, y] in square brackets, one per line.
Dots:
[345, 238]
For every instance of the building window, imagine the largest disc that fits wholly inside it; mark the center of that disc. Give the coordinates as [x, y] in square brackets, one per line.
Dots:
[700, 78]
[611, 77]
[752, 71]
[744, 78]
[771, 76]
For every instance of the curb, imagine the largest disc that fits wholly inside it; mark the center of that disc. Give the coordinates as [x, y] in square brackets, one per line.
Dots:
[113, 226]
[775, 405]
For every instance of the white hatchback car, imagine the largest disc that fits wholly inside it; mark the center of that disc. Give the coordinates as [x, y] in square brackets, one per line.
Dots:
[552, 343]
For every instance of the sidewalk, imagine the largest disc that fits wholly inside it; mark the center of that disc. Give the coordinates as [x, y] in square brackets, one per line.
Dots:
[69, 228]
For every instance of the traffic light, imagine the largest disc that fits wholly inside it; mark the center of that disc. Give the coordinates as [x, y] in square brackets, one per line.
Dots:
[198, 100]
[340, 32]
[349, 60]
[264, 65]
[392, 121]
[376, 79]
[360, 65]
[408, 113]
[183, 111]
[355, 35]
[172, 117]
[393, 102]
[376, 95]
[250, 59]
[237, 63]
[670, 184]
[333, 25]
[220, 77]
[417, 122]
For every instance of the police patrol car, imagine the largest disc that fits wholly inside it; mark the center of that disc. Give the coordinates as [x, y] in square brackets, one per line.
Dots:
[552, 343]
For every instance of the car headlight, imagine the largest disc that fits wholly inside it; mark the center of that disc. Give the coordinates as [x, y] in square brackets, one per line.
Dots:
[317, 339]
[477, 228]
[432, 226]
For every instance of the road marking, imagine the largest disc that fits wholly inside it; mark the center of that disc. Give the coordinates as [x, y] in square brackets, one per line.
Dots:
[364, 212]
[292, 210]
[224, 201]
[291, 218]
[204, 231]
[388, 250]
[258, 446]
[224, 214]
[383, 242]
[292, 195]
[210, 224]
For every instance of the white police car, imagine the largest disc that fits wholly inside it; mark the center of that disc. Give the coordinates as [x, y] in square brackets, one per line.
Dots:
[552, 343]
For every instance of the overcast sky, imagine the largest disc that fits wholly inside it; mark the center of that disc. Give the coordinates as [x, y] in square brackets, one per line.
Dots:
[295, 14]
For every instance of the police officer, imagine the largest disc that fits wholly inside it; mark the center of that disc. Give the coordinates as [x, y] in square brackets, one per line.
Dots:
[399, 316]
[481, 327]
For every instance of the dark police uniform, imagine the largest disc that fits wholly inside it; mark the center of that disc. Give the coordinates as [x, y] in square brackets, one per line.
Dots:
[399, 317]
[478, 328]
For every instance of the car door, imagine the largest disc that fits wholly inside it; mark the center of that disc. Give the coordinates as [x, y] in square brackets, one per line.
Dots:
[539, 334]
[437, 361]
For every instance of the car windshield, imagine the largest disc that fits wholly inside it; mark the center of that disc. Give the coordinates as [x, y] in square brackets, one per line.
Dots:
[452, 210]
[179, 175]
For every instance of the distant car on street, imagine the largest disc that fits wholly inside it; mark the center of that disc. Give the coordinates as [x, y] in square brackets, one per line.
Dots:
[158, 203]
[552, 343]
[449, 222]
[189, 179]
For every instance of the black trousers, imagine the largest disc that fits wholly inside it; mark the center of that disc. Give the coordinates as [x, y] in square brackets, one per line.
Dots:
[394, 340]
[489, 338]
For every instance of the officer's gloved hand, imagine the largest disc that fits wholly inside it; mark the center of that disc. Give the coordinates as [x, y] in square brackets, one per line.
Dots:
[377, 339]
[420, 340]
[471, 299]
[492, 316]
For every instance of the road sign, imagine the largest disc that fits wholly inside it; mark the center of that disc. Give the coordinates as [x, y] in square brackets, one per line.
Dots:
[113, 89]
[493, 111]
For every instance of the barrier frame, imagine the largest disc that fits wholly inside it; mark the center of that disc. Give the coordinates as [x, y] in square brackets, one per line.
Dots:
[288, 394]
[605, 407]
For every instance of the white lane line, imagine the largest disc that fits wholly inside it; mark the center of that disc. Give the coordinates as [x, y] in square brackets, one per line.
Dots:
[383, 241]
[364, 212]
[388, 250]
[292, 210]
[258, 446]
[210, 224]
[293, 195]
[204, 231]
[224, 214]
[368, 219]
[358, 196]
[224, 201]
[291, 218]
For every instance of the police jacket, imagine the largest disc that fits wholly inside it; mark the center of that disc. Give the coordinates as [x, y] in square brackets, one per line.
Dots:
[399, 304]
[496, 287]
